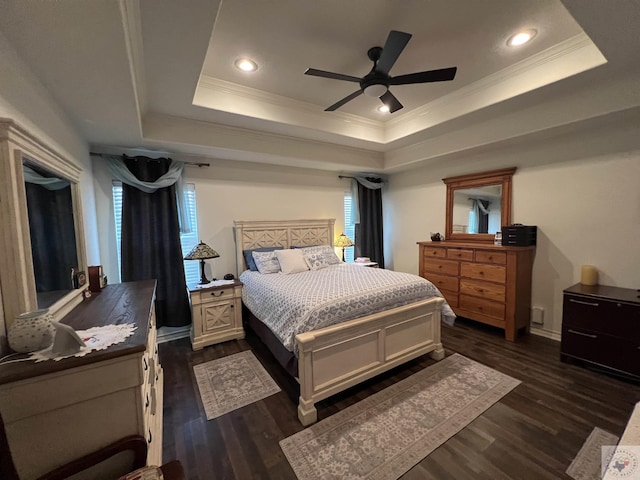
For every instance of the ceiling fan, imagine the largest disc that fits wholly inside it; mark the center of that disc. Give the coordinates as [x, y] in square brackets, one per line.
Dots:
[376, 83]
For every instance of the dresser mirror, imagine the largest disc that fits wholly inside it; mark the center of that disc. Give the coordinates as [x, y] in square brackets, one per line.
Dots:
[478, 205]
[52, 233]
[43, 236]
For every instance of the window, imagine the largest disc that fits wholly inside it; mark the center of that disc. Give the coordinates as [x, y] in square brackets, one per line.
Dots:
[349, 226]
[187, 240]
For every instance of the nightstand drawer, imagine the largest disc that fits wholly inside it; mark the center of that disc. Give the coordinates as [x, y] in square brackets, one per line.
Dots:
[216, 295]
[602, 316]
[613, 352]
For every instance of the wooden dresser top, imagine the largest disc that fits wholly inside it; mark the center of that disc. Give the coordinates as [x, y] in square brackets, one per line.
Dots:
[479, 245]
[115, 304]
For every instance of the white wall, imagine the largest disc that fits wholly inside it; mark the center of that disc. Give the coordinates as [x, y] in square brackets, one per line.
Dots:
[24, 99]
[228, 191]
[587, 212]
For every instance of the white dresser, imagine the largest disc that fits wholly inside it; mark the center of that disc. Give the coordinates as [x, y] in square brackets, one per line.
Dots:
[58, 411]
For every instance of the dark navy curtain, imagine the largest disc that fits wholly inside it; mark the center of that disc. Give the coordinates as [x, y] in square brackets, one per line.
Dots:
[151, 241]
[369, 234]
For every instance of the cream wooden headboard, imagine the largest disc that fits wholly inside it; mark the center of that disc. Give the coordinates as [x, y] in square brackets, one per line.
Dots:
[282, 233]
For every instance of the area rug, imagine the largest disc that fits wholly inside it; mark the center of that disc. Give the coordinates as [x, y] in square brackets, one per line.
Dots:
[232, 382]
[588, 463]
[386, 434]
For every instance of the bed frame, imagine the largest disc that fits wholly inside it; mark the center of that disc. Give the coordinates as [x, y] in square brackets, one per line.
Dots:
[335, 358]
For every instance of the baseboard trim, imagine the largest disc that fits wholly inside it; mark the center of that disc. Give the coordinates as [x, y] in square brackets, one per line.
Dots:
[168, 334]
[541, 332]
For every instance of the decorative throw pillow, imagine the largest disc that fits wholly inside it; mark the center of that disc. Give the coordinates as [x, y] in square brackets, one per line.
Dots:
[248, 257]
[144, 473]
[267, 262]
[321, 256]
[291, 261]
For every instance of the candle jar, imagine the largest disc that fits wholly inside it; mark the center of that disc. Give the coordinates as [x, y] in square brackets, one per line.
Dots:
[31, 331]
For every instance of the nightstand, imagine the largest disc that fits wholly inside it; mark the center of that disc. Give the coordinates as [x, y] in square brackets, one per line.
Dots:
[366, 264]
[216, 313]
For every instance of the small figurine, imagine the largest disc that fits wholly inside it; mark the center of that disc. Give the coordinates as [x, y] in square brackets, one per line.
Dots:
[436, 237]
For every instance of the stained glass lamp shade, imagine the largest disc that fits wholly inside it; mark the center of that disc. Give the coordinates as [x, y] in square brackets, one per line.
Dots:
[202, 252]
[343, 242]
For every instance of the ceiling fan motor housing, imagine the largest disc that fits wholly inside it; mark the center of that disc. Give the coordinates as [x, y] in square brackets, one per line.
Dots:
[375, 84]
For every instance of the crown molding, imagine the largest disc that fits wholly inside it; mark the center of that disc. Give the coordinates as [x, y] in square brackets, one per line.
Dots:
[574, 55]
[222, 95]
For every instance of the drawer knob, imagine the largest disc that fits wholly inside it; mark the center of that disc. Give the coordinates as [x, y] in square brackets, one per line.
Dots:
[146, 365]
[217, 294]
[146, 405]
[150, 438]
[582, 334]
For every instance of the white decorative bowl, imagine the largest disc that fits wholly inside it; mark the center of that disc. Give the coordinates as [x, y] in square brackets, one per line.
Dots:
[31, 331]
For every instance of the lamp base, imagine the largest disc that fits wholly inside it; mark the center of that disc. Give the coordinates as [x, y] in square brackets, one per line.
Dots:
[203, 278]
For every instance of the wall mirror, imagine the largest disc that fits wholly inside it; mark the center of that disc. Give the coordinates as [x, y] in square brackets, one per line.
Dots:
[43, 233]
[478, 205]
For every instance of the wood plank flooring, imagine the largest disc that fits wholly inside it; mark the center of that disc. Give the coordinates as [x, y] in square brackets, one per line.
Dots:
[534, 432]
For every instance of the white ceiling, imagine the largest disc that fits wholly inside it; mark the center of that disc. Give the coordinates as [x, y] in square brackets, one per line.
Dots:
[159, 74]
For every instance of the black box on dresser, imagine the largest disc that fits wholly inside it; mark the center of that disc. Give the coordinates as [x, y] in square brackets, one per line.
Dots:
[519, 235]
[601, 326]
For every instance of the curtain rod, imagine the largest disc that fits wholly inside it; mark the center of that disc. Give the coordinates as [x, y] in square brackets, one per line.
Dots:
[191, 164]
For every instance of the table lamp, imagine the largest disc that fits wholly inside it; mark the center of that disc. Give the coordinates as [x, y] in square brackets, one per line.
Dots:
[343, 242]
[201, 252]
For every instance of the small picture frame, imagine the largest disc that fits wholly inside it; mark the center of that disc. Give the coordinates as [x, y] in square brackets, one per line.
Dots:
[79, 279]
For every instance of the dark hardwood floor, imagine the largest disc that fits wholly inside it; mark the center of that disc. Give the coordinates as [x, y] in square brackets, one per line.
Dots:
[534, 432]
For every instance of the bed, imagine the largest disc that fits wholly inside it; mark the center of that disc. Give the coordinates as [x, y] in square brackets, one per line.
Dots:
[329, 356]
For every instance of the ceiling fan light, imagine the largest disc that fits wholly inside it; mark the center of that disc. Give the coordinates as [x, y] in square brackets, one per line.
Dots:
[521, 38]
[383, 109]
[375, 90]
[246, 65]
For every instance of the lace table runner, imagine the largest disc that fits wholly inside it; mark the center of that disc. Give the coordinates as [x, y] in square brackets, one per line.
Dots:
[95, 338]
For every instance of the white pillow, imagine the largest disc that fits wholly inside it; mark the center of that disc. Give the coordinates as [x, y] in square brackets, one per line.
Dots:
[267, 262]
[291, 261]
[321, 256]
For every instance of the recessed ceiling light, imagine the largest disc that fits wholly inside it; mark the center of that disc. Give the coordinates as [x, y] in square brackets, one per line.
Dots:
[246, 65]
[383, 109]
[521, 38]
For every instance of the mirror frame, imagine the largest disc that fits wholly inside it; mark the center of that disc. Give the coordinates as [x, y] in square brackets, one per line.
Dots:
[494, 177]
[16, 261]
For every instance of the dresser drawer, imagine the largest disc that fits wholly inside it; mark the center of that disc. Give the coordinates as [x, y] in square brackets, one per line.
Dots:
[434, 252]
[450, 297]
[480, 271]
[447, 267]
[606, 350]
[478, 288]
[490, 256]
[443, 282]
[602, 316]
[459, 254]
[482, 306]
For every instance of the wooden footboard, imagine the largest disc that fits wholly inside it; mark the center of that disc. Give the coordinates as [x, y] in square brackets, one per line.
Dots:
[335, 358]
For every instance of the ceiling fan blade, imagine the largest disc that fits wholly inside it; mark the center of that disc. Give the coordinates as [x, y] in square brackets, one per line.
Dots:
[441, 75]
[396, 41]
[335, 76]
[390, 101]
[346, 99]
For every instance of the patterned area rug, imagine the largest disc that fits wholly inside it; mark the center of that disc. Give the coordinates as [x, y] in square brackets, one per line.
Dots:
[386, 434]
[588, 463]
[232, 382]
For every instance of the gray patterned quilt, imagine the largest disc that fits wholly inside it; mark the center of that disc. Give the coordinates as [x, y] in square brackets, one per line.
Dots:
[297, 303]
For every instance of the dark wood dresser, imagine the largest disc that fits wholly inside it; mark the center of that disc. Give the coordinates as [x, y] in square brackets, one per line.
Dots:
[601, 326]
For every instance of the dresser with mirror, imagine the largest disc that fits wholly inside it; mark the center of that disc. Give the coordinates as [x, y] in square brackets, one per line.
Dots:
[63, 409]
[481, 281]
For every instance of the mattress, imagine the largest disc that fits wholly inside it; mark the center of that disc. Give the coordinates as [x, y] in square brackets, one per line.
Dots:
[305, 301]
